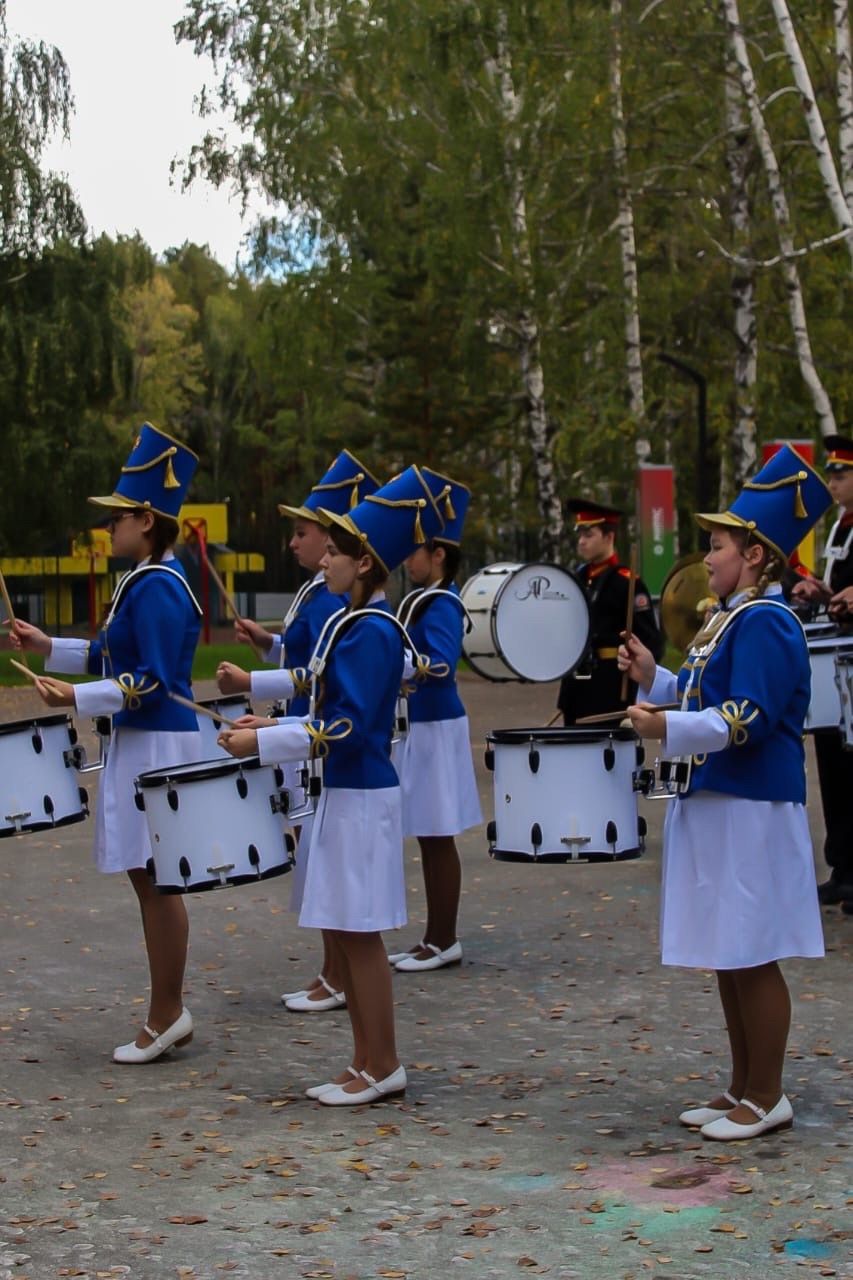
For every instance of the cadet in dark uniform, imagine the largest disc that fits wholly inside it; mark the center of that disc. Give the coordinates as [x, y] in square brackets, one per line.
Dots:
[596, 686]
[834, 763]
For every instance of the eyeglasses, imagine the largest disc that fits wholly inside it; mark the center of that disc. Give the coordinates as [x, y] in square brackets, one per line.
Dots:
[112, 521]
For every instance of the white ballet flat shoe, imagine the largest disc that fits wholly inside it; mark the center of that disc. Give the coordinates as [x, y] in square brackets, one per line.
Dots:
[395, 957]
[317, 1089]
[391, 1087]
[294, 995]
[725, 1130]
[179, 1034]
[438, 959]
[697, 1116]
[304, 1004]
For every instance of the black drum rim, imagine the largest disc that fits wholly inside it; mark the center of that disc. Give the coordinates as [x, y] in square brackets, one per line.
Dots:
[561, 734]
[35, 722]
[201, 771]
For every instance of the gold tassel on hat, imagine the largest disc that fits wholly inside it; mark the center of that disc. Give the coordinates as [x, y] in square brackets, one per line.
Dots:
[355, 481]
[417, 503]
[800, 512]
[171, 481]
[448, 502]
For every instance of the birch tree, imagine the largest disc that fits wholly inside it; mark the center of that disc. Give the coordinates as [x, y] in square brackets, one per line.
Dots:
[817, 133]
[844, 95]
[782, 218]
[627, 239]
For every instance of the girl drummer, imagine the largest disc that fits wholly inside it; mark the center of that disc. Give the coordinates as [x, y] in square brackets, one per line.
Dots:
[739, 890]
[145, 652]
[355, 885]
[435, 764]
[345, 484]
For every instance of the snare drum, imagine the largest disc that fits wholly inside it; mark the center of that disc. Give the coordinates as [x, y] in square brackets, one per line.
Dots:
[844, 679]
[565, 795]
[826, 647]
[215, 824]
[232, 706]
[38, 783]
[529, 622]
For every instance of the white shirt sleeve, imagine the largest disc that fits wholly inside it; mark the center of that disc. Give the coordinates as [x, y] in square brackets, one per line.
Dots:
[664, 688]
[273, 653]
[276, 683]
[695, 732]
[408, 664]
[68, 655]
[288, 740]
[98, 698]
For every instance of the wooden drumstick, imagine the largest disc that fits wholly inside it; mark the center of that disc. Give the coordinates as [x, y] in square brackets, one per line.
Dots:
[629, 615]
[31, 675]
[620, 715]
[554, 718]
[7, 601]
[204, 711]
[228, 600]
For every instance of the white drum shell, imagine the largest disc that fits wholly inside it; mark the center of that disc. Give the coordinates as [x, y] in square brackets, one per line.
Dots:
[218, 818]
[232, 706]
[583, 809]
[825, 707]
[529, 622]
[844, 679]
[38, 783]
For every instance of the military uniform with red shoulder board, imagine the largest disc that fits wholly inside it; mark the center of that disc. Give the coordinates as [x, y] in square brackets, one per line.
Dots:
[834, 763]
[596, 685]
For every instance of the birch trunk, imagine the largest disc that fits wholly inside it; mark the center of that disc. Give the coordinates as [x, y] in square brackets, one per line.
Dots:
[844, 94]
[814, 121]
[739, 462]
[781, 214]
[627, 240]
[526, 324]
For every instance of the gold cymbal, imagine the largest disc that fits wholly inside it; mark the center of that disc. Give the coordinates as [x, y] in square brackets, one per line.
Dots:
[685, 596]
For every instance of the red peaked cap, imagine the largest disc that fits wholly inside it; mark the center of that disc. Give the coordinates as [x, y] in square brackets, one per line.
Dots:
[588, 513]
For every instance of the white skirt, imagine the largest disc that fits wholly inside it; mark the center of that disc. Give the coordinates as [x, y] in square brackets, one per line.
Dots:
[121, 830]
[739, 886]
[299, 873]
[437, 780]
[354, 877]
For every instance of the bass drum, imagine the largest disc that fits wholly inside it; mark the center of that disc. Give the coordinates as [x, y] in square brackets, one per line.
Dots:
[528, 622]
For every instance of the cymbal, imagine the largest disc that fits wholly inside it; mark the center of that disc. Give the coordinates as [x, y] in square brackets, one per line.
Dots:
[683, 599]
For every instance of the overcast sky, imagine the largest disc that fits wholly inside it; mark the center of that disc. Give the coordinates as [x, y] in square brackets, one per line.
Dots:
[134, 90]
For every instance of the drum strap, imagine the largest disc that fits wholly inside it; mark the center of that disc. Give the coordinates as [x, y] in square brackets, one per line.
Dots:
[307, 589]
[420, 600]
[337, 624]
[135, 574]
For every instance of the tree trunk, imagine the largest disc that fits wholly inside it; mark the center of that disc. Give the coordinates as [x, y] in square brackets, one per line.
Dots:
[526, 324]
[779, 204]
[817, 133]
[844, 94]
[627, 241]
[740, 460]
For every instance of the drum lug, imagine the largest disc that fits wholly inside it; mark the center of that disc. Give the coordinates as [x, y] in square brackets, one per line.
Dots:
[280, 803]
[611, 834]
[242, 786]
[489, 758]
[255, 859]
[609, 759]
[289, 843]
[491, 831]
[48, 806]
[74, 757]
[173, 799]
[84, 799]
[139, 801]
[642, 828]
[185, 870]
[151, 868]
[278, 775]
[641, 754]
[315, 786]
[38, 745]
[533, 760]
[535, 837]
[644, 781]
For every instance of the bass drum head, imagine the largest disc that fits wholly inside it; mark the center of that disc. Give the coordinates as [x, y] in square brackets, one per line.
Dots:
[541, 622]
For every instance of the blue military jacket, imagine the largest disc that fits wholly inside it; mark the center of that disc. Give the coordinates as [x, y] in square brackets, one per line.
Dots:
[435, 626]
[755, 673]
[147, 647]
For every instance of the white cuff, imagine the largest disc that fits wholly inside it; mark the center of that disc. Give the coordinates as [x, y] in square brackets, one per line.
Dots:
[98, 698]
[695, 732]
[285, 741]
[273, 653]
[272, 684]
[664, 688]
[68, 655]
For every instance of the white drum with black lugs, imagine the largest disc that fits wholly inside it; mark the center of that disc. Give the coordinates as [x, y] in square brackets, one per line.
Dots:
[827, 646]
[232, 706]
[38, 779]
[565, 795]
[215, 824]
[528, 622]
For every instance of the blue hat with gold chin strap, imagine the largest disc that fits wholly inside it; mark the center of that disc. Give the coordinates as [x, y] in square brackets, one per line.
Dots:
[779, 505]
[395, 520]
[344, 485]
[155, 477]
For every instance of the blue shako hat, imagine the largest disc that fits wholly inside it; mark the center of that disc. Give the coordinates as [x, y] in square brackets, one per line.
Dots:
[156, 476]
[345, 484]
[395, 520]
[453, 499]
[779, 505]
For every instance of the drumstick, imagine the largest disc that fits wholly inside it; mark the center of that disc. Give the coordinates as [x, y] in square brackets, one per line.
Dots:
[620, 715]
[554, 718]
[223, 591]
[204, 711]
[7, 601]
[629, 615]
[31, 675]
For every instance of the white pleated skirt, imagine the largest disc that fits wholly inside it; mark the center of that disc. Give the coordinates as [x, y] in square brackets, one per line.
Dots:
[299, 874]
[354, 874]
[121, 831]
[436, 771]
[739, 886]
